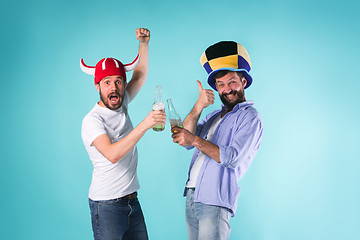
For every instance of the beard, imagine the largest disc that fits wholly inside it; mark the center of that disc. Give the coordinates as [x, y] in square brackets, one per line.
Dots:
[230, 105]
[107, 100]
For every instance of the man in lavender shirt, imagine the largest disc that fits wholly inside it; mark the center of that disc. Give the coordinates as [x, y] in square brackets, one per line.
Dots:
[226, 141]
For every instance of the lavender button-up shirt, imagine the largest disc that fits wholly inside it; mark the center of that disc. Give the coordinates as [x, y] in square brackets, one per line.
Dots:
[238, 136]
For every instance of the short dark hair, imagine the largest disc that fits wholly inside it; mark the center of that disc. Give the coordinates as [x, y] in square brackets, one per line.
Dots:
[222, 73]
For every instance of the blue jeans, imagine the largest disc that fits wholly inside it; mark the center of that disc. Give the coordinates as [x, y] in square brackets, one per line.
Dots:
[117, 219]
[206, 222]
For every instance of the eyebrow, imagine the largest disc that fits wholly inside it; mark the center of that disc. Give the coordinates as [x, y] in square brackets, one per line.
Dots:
[227, 80]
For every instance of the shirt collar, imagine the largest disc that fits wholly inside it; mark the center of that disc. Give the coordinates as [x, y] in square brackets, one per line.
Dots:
[121, 109]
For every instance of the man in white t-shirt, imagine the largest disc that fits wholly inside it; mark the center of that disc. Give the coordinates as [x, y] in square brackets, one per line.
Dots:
[110, 140]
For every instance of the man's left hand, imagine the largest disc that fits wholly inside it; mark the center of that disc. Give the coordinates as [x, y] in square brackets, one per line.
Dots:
[143, 35]
[182, 136]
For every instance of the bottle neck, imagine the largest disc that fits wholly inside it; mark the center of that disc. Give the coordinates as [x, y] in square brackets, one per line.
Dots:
[172, 112]
[158, 95]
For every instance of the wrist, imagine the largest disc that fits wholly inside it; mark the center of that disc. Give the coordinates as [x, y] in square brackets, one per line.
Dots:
[143, 127]
[144, 44]
[198, 108]
[195, 141]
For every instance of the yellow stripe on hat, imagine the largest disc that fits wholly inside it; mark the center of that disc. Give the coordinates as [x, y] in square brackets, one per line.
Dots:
[243, 53]
[203, 59]
[224, 62]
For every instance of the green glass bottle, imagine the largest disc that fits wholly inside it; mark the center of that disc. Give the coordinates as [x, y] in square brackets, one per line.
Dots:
[158, 105]
[174, 117]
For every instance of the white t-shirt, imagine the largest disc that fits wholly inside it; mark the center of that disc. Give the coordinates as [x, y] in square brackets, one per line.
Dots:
[110, 180]
[201, 156]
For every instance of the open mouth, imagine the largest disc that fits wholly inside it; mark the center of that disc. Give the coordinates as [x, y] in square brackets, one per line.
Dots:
[114, 98]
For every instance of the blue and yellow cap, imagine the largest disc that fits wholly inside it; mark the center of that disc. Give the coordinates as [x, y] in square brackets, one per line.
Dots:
[226, 55]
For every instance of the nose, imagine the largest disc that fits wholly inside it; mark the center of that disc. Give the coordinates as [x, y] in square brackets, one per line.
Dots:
[226, 88]
[113, 86]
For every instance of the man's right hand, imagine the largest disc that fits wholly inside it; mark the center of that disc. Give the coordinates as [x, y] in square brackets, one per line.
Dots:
[154, 118]
[206, 97]
[182, 136]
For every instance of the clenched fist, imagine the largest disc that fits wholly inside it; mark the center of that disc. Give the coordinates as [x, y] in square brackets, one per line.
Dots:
[143, 35]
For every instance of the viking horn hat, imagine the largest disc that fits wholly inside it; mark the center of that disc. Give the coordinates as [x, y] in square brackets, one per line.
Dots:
[108, 67]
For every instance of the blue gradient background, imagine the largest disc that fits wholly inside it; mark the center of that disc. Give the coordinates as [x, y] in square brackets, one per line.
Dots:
[304, 182]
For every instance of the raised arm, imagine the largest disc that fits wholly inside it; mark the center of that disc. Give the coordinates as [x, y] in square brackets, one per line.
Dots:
[140, 72]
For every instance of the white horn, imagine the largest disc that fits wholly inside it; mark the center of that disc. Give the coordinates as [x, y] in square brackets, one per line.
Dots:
[87, 69]
[131, 66]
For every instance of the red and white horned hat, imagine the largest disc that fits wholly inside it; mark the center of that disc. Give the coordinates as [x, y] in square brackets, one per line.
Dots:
[108, 67]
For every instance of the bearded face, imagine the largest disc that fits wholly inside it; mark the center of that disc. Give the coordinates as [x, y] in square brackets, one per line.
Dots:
[113, 100]
[231, 89]
[232, 98]
[111, 90]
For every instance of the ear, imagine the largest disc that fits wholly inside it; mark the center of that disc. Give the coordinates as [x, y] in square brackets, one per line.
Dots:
[243, 81]
[97, 87]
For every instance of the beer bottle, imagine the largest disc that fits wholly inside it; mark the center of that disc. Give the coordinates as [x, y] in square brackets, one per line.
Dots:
[174, 117]
[158, 105]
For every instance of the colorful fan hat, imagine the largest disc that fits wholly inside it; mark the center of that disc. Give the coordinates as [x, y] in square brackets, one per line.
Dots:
[226, 55]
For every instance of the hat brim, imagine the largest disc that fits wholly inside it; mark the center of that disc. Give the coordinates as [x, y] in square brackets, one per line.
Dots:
[212, 82]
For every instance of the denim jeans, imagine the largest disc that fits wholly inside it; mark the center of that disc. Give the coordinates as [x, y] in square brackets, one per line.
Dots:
[206, 222]
[117, 219]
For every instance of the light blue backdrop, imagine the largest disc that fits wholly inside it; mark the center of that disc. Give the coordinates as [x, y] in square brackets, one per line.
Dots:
[304, 182]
